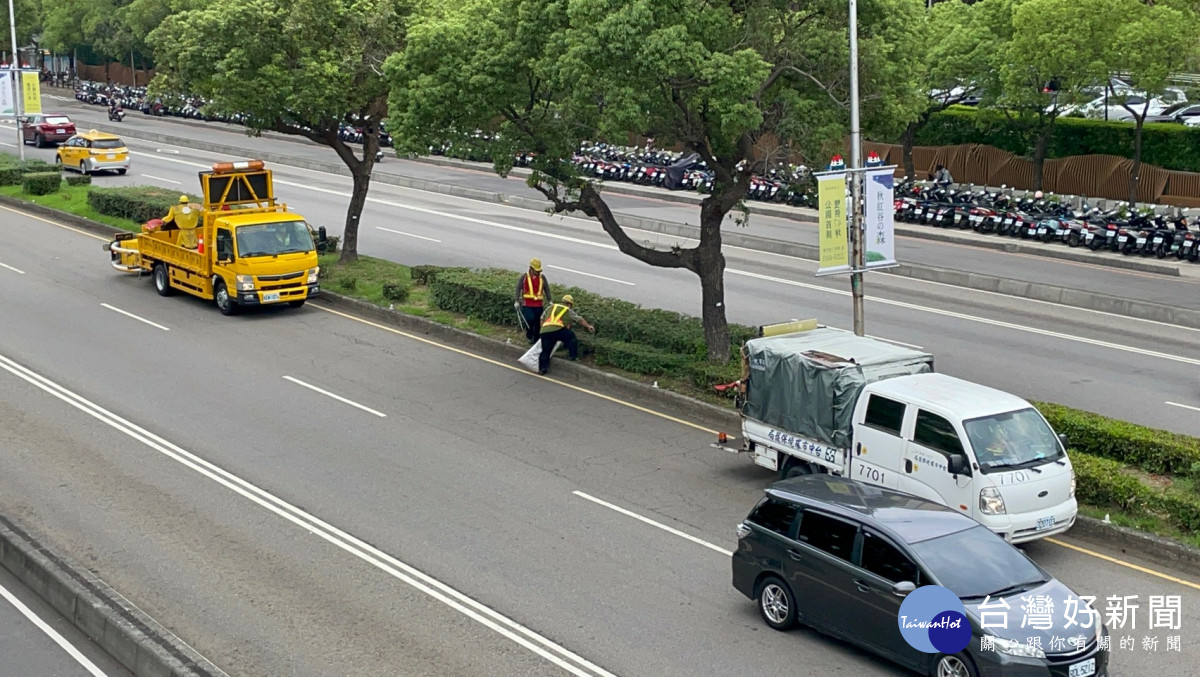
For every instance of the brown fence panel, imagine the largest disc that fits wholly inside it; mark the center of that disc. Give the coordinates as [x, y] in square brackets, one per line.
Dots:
[117, 73]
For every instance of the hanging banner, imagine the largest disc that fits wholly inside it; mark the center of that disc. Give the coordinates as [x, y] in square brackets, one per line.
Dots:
[834, 245]
[31, 90]
[879, 217]
[7, 108]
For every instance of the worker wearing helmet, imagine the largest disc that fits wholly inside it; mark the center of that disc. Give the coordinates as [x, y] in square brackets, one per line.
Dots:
[556, 326]
[185, 216]
[533, 293]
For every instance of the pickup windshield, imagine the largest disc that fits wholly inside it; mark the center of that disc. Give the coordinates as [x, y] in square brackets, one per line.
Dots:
[272, 239]
[1013, 440]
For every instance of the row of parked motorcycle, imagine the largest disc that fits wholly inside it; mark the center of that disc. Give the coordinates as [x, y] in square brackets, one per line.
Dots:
[1048, 218]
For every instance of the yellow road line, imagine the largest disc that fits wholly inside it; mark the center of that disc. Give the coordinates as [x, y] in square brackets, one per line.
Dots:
[519, 370]
[54, 223]
[1123, 563]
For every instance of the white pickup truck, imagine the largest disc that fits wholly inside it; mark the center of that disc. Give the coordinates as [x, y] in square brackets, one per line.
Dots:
[826, 400]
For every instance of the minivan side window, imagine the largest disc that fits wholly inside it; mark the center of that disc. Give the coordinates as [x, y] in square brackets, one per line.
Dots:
[830, 535]
[937, 433]
[775, 515]
[885, 414]
[884, 560]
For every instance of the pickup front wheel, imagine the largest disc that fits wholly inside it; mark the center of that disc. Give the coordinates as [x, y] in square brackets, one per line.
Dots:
[225, 303]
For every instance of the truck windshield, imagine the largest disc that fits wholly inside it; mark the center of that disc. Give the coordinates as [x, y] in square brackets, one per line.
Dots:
[1016, 439]
[272, 239]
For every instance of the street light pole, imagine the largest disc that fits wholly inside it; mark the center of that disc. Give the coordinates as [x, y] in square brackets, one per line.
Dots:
[15, 67]
[856, 225]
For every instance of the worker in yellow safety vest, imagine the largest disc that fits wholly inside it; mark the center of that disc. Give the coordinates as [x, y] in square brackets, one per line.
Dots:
[533, 293]
[556, 326]
[186, 217]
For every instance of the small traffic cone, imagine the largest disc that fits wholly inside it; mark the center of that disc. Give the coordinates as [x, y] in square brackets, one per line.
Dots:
[200, 244]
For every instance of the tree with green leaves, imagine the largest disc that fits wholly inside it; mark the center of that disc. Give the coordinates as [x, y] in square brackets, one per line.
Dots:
[28, 15]
[1148, 42]
[742, 84]
[301, 67]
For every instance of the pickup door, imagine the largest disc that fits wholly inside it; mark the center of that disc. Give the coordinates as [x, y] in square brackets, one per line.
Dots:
[878, 450]
[926, 463]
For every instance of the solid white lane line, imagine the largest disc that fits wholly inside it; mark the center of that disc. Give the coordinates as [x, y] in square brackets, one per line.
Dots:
[973, 318]
[477, 611]
[159, 178]
[10, 145]
[52, 633]
[126, 313]
[599, 277]
[652, 523]
[18, 271]
[339, 398]
[400, 232]
[1183, 406]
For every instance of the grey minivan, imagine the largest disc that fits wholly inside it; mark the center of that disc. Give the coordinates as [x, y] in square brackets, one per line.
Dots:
[841, 556]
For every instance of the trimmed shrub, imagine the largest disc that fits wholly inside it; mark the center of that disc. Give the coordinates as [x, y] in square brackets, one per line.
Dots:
[12, 174]
[331, 244]
[639, 359]
[41, 183]
[78, 179]
[395, 291]
[1155, 451]
[138, 204]
[348, 283]
[1104, 483]
[1170, 146]
[424, 275]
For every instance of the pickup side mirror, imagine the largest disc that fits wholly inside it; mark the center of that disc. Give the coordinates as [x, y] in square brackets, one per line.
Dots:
[957, 464]
[1062, 439]
[903, 588]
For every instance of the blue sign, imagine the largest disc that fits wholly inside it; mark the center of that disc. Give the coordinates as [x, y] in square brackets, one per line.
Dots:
[933, 620]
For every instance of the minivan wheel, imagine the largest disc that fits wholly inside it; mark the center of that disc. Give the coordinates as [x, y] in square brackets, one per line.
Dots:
[777, 604]
[957, 665]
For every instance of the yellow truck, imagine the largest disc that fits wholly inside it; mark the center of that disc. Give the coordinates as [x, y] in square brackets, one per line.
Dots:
[240, 248]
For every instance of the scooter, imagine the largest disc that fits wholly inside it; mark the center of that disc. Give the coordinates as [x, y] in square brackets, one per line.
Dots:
[116, 114]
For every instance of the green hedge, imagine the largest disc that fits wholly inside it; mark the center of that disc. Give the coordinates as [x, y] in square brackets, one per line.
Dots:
[1105, 483]
[78, 179]
[1170, 146]
[136, 203]
[41, 183]
[12, 172]
[1155, 451]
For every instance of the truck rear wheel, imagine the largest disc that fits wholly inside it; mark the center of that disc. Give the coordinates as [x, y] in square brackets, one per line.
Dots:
[162, 280]
[794, 468]
[225, 304]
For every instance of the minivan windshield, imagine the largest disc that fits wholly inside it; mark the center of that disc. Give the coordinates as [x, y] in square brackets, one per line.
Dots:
[270, 239]
[975, 562]
[1013, 440]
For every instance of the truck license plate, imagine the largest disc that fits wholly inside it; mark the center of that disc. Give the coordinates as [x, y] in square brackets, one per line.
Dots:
[1045, 523]
[273, 296]
[1084, 669]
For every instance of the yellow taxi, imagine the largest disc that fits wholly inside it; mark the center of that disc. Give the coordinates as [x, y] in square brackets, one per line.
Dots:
[93, 151]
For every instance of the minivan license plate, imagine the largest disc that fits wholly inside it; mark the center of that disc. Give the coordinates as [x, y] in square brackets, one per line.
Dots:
[1045, 523]
[1084, 669]
[271, 297]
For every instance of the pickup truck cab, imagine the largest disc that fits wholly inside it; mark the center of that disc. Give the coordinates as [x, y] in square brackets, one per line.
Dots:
[981, 451]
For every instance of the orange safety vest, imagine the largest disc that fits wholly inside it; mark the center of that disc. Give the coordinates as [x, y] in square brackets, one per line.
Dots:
[532, 294]
[555, 321]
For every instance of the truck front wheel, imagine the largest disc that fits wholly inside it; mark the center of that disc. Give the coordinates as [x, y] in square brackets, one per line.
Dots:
[225, 304]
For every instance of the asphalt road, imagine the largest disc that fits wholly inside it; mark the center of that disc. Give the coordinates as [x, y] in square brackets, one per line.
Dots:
[1126, 368]
[200, 465]
[36, 641]
[1171, 291]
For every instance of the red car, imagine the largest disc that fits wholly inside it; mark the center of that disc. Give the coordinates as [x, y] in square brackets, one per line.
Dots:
[47, 129]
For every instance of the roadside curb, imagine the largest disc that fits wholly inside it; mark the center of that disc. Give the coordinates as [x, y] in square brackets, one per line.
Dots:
[1156, 548]
[136, 640]
[1139, 543]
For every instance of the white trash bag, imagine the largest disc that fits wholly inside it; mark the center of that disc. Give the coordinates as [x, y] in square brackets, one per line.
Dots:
[530, 359]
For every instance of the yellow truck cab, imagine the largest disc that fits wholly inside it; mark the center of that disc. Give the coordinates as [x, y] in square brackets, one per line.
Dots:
[247, 248]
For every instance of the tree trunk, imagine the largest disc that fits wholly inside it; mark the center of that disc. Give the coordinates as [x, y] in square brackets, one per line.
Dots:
[1135, 175]
[910, 134]
[361, 172]
[710, 267]
[1039, 155]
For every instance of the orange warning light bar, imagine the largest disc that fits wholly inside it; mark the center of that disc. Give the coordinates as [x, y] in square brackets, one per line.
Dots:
[245, 165]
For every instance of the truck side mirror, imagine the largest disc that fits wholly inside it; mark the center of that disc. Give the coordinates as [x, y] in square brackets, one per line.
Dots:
[322, 240]
[903, 588]
[1062, 439]
[957, 464]
[224, 250]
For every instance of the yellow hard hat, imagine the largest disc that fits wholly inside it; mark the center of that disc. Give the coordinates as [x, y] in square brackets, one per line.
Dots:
[183, 199]
[568, 299]
[535, 264]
